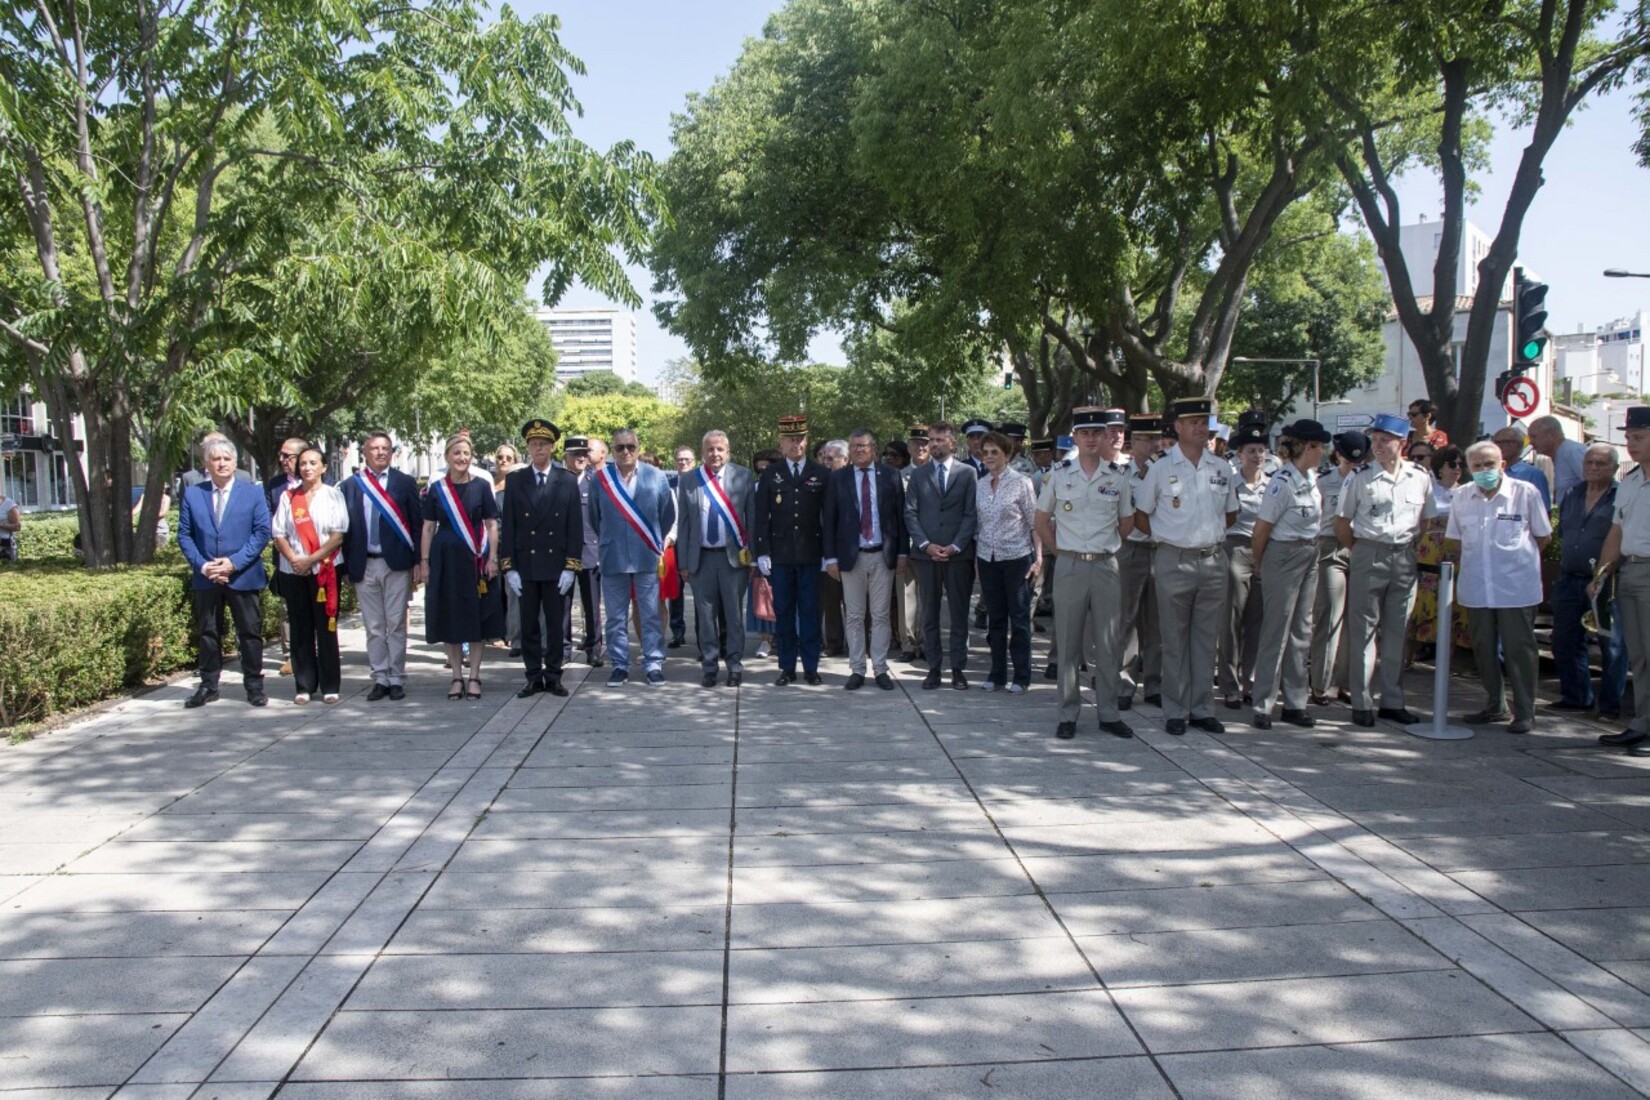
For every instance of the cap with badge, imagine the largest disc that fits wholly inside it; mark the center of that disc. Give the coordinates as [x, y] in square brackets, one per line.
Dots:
[1201, 407]
[540, 428]
[917, 433]
[1391, 424]
[576, 444]
[1251, 432]
[1638, 416]
[793, 425]
[1042, 446]
[1147, 425]
[1013, 430]
[1093, 416]
[976, 426]
[1307, 431]
[1352, 446]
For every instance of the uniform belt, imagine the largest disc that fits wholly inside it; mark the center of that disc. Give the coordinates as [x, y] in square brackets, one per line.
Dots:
[1636, 559]
[1086, 555]
[1405, 545]
[1200, 551]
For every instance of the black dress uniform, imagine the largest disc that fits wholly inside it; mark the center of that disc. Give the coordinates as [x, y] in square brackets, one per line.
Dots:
[541, 536]
[789, 530]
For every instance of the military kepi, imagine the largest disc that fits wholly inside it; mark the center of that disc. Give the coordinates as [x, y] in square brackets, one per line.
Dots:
[918, 432]
[1093, 416]
[976, 426]
[1042, 446]
[1638, 416]
[576, 443]
[1145, 424]
[540, 428]
[1200, 407]
[1391, 424]
[793, 425]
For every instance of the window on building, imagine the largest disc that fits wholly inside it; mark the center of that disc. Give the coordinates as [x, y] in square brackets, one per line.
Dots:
[19, 479]
[17, 415]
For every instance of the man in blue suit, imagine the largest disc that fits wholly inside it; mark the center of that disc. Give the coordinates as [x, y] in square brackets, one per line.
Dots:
[223, 528]
[380, 550]
[624, 495]
[865, 546]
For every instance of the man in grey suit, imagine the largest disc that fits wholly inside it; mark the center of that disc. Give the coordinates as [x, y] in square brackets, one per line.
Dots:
[940, 519]
[713, 549]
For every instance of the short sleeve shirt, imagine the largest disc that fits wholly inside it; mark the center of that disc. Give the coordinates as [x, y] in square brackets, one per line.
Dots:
[1249, 501]
[1633, 513]
[1087, 511]
[1500, 558]
[1291, 505]
[1387, 507]
[1330, 484]
[1188, 502]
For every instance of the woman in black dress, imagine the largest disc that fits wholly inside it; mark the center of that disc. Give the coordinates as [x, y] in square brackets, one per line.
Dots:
[463, 600]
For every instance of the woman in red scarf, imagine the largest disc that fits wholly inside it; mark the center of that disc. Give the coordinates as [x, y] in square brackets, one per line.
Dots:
[309, 527]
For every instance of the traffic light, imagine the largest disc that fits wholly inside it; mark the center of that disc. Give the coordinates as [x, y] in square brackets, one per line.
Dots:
[1529, 322]
[1008, 376]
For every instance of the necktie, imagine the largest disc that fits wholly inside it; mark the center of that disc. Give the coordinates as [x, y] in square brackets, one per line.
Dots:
[220, 497]
[865, 507]
[939, 475]
[713, 533]
[542, 476]
[372, 518]
[796, 470]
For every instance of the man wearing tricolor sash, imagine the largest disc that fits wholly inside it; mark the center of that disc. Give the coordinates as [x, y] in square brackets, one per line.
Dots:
[714, 503]
[380, 551]
[633, 513]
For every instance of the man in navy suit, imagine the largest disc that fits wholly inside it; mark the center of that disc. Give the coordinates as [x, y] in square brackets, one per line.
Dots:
[940, 518]
[223, 527]
[790, 515]
[541, 548]
[864, 548]
[380, 550]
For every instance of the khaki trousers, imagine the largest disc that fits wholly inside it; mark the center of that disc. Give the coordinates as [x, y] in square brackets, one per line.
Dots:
[1380, 592]
[1633, 605]
[1191, 606]
[1329, 654]
[383, 595]
[1137, 625]
[1085, 619]
[1289, 574]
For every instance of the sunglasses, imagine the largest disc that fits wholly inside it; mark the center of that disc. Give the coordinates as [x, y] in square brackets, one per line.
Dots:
[624, 446]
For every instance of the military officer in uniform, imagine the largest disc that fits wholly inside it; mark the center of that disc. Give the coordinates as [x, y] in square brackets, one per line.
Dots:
[1382, 507]
[576, 456]
[1083, 512]
[790, 545]
[1626, 554]
[974, 432]
[1019, 460]
[917, 440]
[541, 551]
[1286, 556]
[1186, 501]
[1329, 655]
[1137, 617]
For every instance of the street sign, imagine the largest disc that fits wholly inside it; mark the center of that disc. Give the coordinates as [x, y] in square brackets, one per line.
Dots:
[1521, 396]
[1349, 422]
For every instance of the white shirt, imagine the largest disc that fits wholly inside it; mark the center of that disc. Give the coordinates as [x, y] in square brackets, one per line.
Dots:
[326, 508]
[1291, 505]
[1249, 500]
[371, 511]
[1329, 496]
[1188, 504]
[860, 479]
[1387, 508]
[1500, 559]
[1633, 513]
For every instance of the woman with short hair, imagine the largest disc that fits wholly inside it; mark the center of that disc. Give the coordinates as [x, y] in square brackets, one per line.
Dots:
[463, 597]
[1007, 556]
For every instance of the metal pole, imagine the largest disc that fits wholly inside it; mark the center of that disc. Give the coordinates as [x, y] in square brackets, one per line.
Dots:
[1440, 729]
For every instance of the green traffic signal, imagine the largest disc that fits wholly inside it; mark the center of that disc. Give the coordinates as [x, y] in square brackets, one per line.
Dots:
[1529, 320]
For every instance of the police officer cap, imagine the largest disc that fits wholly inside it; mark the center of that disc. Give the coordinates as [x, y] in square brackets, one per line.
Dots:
[917, 433]
[1638, 416]
[1012, 430]
[1145, 424]
[1093, 416]
[576, 443]
[1391, 424]
[976, 426]
[1250, 433]
[1352, 446]
[540, 428]
[1191, 406]
[1307, 431]
[1042, 446]
[1251, 416]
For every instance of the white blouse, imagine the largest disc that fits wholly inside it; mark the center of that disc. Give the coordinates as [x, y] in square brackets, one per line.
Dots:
[1007, 517]
[326, 508]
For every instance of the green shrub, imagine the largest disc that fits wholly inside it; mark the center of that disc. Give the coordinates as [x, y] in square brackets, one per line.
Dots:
[69, 637]
[48, 536]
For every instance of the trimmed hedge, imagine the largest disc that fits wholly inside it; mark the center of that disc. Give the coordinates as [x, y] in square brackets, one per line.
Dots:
[69, 637]
[48, 536]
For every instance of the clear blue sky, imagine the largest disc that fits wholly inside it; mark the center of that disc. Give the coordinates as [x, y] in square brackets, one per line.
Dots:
[645, 56]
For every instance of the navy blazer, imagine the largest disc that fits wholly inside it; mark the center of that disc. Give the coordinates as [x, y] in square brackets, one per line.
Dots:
[842, 515]
[401, 489]
[241, 537]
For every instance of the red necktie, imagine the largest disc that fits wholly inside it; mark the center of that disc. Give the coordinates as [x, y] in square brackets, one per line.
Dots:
[865, 507]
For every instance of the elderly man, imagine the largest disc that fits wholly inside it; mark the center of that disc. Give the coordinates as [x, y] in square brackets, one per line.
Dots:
[633, 512]
[1585, 514]
[1511, 440]
[1547, 438]
[1499, 529]
[1627, 551]
[714, 509]
[833, 455]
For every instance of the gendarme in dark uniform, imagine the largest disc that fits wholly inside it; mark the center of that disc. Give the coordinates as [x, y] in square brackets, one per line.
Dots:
[542, 541]
[790, 544]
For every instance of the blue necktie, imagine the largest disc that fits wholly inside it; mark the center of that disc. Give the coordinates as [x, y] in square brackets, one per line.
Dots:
[939, 475]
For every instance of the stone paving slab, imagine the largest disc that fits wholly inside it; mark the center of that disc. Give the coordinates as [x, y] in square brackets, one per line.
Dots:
[677, 892]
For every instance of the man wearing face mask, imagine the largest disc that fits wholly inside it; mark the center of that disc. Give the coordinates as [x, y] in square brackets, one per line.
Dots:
[1500, 527]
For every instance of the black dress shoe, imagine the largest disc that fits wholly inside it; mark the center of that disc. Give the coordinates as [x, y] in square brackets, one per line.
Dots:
[529, 689]
[932, 680]
[1153, 700]
[202, 696]
[735, 679]
[397, 692]
[1365, 718]
[885, 681]
[515, 651]
[554, 687]
[812, 678]
[1299, 718]
[1175, 726]
[1261, 721]
[708, 680]
[1125, 702]
[1400, 715]
[256, 697]
[1065, 731]
[785, 678]
[855, 682]
[1318, 700]
[378, 692]
[959, 681]
[1116, 729]
[1233, 702]
[1208, 725]
[1052, 672]
[678, 642]
[1626, 739]
[1639, 750]
[1562, 705]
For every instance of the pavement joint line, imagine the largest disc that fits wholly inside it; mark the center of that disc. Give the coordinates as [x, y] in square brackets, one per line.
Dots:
[727, 912]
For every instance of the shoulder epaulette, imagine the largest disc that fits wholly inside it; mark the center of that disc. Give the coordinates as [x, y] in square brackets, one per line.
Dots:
[1361, 469]
[1631, 470]
[1062, 464]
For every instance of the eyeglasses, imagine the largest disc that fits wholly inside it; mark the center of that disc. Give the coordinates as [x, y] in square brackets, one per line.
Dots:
[290, 454]
[624, 446]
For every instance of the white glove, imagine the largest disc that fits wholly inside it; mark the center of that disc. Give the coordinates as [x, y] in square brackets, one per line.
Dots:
[565, 585]
[512, 581]
[764, 565]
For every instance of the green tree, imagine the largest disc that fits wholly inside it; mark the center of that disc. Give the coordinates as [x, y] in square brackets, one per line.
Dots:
[603, 414]
[605, 382]
[164, 165]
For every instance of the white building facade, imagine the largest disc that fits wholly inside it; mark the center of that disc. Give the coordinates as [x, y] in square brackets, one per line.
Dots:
[1602, 372]
[590, 340]
[34, 468]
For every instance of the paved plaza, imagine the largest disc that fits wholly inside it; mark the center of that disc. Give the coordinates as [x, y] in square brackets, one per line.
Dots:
[679, 892]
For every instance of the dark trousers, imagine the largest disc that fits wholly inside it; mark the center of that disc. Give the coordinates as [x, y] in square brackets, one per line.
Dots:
[541, 637]
[314, 649]
[249, 633]
[678, 615]
[589, 587]
[834, 637]
[796, 607]
[1007, 597]
[1570, 651]
[955, 581]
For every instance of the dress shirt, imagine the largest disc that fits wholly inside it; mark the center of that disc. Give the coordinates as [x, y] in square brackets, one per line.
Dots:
[371, 512]
[1291, 505]
[1188, 502]
[1330, 484]
[1568, 468]
[326, 509]
[1087, 511]
[1531, 473]
[220, 501]
[1633, 513]
[1388, 508]
[1581, 533]
[1007, 517]
[705, 513]
[1500, 559]
[860, 479]
[1249, 500]
[1442, 496]
[1137, 474]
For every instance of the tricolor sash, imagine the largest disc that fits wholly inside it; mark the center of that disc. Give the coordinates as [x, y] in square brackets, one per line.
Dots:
[719, 501]
[627, 508]
[388, 510]
[474, 535]
[326, 573]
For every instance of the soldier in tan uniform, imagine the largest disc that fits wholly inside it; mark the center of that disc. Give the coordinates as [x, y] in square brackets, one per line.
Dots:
[1137, 624]
[1083, 512]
